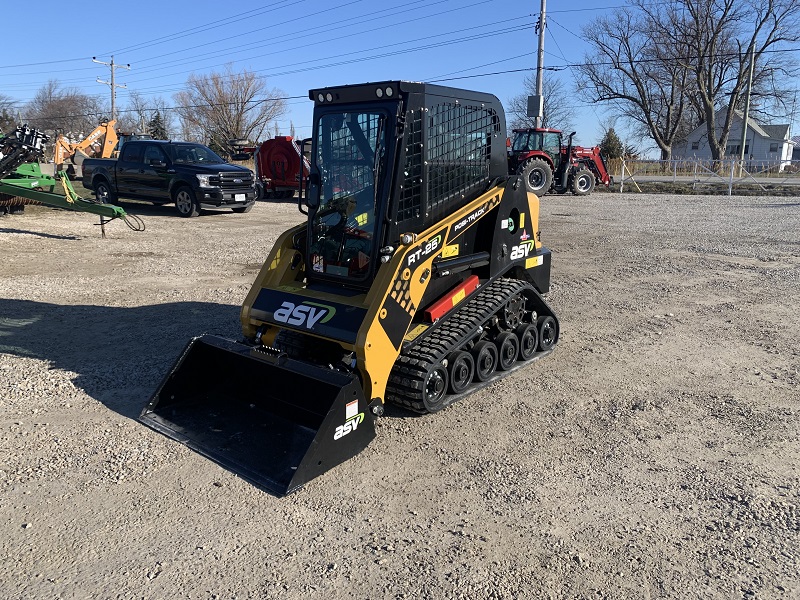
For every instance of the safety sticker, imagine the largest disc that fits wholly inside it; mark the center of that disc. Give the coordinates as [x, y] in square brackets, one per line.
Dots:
[450, 251]
[318, 263]
[351, 410]
[508, 224]
[536, 261]
[414, 333]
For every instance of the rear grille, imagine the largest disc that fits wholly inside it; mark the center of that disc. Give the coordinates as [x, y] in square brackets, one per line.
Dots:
[233, 180]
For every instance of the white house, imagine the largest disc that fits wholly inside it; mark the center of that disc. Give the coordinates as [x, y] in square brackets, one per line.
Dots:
[765, 143]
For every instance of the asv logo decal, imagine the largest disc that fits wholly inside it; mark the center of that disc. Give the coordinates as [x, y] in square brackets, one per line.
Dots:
[349, 425]
[308, 314]
[522, 250]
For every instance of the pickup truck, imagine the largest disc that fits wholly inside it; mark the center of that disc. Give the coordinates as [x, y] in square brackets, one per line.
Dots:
[191, 175]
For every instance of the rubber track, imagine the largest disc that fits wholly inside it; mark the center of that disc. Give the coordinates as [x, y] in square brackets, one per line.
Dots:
[407, 379]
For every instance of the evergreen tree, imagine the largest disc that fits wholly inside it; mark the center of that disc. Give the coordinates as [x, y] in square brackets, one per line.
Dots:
[156, 127]
[611, 146]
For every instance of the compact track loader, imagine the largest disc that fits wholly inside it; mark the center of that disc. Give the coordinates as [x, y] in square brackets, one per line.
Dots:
[416, 279]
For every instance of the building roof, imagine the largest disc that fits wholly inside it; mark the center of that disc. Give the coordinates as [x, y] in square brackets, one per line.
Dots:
[777, 132]
[774, 132]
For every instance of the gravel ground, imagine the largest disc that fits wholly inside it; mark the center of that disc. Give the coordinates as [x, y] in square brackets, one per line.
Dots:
[653, 455]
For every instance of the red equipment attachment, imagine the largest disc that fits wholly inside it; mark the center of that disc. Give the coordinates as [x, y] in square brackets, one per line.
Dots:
[278, 164]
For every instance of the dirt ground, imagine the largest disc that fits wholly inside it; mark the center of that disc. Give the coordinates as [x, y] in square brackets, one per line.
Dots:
[654, 454]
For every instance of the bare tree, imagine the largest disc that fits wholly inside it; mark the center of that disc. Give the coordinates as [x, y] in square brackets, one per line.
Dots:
[140, 111]
[721, 37]
[559, 110]
[7, 120]
[66, 110]
[222, 106]
[633, 70]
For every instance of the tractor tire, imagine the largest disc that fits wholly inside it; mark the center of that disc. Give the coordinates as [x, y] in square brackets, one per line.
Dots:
[583, 182]
[538, 176]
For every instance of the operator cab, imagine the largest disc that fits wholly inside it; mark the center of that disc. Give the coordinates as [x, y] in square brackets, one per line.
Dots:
[548, 141]
[345, 194]
[389, 159]
[352, 148]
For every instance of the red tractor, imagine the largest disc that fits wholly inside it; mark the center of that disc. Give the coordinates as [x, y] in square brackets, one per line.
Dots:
[540, 156]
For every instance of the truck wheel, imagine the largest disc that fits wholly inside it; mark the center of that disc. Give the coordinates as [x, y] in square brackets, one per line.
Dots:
[583, 182]
[103, 193]
[243, 209]
[185, 202]
[538, 176]
[259, 190]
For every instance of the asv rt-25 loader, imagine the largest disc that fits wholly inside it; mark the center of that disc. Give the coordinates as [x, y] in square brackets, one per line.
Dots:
[417, 279]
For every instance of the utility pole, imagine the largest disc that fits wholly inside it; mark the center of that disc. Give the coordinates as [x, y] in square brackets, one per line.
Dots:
[746, 115]
[112, 83]
[540, 64]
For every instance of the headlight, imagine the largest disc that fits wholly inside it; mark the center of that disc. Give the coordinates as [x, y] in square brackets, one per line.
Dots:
[203, 179]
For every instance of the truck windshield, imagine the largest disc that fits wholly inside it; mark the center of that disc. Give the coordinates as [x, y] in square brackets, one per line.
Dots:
[193, 154]
[350, 157]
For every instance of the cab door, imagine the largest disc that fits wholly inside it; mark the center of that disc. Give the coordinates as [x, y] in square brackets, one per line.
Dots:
[153, 177]
[128, 166]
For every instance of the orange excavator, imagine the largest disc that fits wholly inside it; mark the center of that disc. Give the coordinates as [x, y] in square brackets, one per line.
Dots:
[100, 143]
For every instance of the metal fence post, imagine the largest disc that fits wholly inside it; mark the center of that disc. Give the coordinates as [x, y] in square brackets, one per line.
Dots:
[730, 181]
[622, 176]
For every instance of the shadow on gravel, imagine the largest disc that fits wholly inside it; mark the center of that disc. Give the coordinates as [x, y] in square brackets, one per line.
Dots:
[39, 234]
[119, 355]
[148, 209]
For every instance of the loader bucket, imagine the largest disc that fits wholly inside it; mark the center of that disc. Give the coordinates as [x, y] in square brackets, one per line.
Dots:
[275, 421]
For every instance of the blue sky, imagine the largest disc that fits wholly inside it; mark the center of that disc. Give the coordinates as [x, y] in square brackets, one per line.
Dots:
[297, 45]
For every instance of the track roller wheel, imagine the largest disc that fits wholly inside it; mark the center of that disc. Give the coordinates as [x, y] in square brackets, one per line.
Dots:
[528, 337]
[435, 388]
[547, 332]
[507, 350]
[485, 355]
[461, 371]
